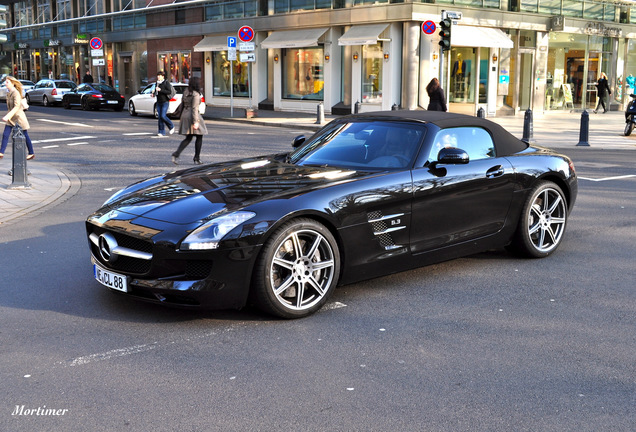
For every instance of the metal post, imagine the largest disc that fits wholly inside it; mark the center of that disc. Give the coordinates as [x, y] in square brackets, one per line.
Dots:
[584, 135]
[356, 107]
[481, 113]
[527, 127]
[394, 107]
[320, 113]
[19, 170]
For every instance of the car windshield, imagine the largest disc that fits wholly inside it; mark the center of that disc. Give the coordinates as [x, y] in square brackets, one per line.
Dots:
[370, 145]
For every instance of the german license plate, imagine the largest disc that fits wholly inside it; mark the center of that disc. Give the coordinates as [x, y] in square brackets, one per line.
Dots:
[112, 102]
[111, 280]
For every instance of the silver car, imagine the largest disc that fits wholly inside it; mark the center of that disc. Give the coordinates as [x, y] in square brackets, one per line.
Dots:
[26, 86]
[145, 103]
[49, 91]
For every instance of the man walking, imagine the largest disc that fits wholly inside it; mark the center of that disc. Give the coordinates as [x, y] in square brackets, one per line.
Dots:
[162, 91]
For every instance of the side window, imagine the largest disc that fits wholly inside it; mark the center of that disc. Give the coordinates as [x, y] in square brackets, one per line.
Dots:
[474, 140]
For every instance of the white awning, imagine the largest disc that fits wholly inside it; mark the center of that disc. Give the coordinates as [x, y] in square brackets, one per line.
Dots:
[484, 37]
[362, 34]
[293, 38]
[212, 43]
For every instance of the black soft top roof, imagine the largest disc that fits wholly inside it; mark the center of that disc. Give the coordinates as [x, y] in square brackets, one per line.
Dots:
[505, 142]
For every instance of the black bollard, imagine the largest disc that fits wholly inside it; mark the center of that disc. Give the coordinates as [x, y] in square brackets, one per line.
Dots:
[481, 113]
[320, 114]
[394, 107]
[19, 170]
[527, 127]
[584, 135]
[356, 108]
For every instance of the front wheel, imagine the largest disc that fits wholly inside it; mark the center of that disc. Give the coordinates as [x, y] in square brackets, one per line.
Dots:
[543, 221]
[131, 109]
[85, 105]
[297, 270]
[629, 127]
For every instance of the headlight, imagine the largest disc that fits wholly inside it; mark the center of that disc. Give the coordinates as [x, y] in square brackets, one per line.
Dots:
[208, 235]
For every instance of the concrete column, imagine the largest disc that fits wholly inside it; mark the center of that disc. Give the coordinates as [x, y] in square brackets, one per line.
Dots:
[411, 65]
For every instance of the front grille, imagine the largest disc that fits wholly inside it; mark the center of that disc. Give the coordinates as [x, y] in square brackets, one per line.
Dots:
[123, 263]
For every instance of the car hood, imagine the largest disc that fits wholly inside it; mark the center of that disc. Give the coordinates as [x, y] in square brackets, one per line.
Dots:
[184, 197]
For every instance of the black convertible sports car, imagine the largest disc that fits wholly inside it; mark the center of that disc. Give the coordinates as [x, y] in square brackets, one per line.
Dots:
[367, 195]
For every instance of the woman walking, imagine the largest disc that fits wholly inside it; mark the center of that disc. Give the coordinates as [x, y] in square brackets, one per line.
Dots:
[602, 90]
[191, 122]
[436, 94]
[15, 116]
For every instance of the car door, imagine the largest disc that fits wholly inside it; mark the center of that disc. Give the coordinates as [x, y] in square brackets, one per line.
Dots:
[75, 96]
[145, 102]
[456, 203]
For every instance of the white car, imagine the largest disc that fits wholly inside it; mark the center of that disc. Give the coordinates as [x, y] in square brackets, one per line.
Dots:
[26, 85]
[145, 103]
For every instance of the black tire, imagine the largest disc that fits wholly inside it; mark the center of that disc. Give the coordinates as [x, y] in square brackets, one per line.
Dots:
[154, 112]
[85, 105]
[131, 109]
[45, 101]
[66, 104]
[629, 127]
[542, 222]
[28, 98]
[297, 270]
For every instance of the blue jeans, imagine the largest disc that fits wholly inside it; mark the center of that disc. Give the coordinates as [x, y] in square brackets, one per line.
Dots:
[162, 109]
[7, 134]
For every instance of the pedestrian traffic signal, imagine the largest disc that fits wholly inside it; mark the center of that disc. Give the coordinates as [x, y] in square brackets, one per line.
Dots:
[445, 34]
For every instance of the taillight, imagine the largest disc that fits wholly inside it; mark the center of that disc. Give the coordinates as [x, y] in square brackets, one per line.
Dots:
[202, 99]
[54, 92]
[97, 96]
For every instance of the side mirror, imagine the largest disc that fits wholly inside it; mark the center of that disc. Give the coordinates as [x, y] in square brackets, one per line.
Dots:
[298, 141]
[452, 156]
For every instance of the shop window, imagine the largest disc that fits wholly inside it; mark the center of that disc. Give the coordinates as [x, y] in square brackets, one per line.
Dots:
[228, 75]
[303, 73]
[176, 65]
[372, 58]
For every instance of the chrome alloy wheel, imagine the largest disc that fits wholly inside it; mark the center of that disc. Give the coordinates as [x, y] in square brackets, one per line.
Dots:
[546, 220]
[302, 270]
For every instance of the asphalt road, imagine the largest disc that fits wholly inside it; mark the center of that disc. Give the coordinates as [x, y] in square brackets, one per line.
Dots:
[485, 343]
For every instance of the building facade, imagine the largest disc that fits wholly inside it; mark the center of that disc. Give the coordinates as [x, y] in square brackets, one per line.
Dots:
[506, 55]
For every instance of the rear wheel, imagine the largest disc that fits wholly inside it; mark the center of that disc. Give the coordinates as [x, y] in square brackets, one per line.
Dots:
[297, 270]
[629, 127]
[45, 101]
[28, 98]
[155, 112]
[131, 109]
[543, 221]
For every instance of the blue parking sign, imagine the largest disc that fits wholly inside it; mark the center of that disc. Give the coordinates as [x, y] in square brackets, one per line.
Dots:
[231, 42]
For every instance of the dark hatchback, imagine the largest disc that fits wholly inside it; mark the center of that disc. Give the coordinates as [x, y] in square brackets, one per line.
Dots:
[93, 97]
[367, 195]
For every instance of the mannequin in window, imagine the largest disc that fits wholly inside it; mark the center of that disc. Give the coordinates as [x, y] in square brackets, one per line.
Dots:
[225, 70]
[459, 67]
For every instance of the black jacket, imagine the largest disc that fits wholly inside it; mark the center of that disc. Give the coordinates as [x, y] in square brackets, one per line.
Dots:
[163, 92]
[438, 100]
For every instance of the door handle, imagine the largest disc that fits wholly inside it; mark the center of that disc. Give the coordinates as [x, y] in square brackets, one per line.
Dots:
[496, 171]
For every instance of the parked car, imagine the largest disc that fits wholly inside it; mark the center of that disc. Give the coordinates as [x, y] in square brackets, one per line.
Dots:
[26, 86]
[93, 97]
[367, 195]
[49, 91]
[144, 103]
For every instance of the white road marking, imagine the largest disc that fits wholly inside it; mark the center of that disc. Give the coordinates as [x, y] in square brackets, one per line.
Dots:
[63, 139]
[66, 123]
[138, 133]
[110, 354]
[334, 305]
[79, 143]
[608, 178]
[51, 146]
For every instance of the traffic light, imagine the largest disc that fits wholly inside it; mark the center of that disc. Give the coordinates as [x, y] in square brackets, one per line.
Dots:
[445, 34]
[3, 23]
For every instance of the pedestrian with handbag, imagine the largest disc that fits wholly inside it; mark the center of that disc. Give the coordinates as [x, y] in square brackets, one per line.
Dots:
[15, 116]
[191, 122]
